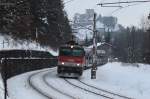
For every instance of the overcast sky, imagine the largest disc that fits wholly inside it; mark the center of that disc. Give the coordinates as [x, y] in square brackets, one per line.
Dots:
[127, 16]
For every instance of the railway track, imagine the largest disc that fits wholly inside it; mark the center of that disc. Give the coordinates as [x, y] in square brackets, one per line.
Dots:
[69, 96]
[95, 93]
[49, 85]
[80, 85]
[105, 91]
[34, 86]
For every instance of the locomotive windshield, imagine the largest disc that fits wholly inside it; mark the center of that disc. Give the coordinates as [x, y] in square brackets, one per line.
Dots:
[71, 52]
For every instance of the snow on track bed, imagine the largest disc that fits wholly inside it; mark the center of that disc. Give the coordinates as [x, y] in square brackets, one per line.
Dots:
[95, 90]
[101, 95]
[45, 89]
[66, 88]
[106, 91]
[34, 86]
[51, 86]
[128, 81]
[19, 88]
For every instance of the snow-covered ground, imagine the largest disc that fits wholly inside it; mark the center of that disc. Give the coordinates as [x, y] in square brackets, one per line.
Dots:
[1, 88]
[124, 79]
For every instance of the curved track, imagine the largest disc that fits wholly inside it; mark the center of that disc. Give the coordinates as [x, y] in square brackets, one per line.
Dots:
[35, 88]
[106, 91]
[97, 91]
[103, 90]
[31, 83]
[101, 95]
[51, 86]
[76, 83]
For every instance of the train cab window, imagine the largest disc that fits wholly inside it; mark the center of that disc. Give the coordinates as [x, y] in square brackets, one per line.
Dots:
[77, 52]
[71, 52]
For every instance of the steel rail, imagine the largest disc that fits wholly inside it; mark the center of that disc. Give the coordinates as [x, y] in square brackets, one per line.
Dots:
[44, 79]
[88, 90]
[35, 88]
[106, 91]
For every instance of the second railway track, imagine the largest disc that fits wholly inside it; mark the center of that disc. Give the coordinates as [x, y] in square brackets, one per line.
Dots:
[95, 93]
[102, 93]
[105, 91]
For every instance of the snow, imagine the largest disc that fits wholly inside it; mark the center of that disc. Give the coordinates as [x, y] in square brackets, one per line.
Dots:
[125, 79]
[1, 88]
[7, 43]
[98, 44]
[99, 24]
[82, 32]
[18, 88]
[10, 44]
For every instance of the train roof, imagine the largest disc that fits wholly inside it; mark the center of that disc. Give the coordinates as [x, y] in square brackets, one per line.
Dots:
[71, 43]
[75, 46]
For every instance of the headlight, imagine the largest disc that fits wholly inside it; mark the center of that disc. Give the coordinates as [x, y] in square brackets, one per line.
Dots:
[78, 64]
[62, 63]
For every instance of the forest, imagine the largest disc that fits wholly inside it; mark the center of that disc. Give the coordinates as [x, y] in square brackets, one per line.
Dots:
[43, 21]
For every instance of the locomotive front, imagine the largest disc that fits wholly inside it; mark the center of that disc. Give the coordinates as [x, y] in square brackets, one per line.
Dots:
[71, 60]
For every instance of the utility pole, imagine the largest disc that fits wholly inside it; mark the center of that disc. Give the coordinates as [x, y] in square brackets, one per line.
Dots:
[94, 67]
[149, 17]
[149, 30]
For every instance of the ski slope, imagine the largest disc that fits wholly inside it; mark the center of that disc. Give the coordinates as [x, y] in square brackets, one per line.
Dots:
[114, 81]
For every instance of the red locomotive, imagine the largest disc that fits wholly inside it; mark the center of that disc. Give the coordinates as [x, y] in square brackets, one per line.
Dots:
[71, 60]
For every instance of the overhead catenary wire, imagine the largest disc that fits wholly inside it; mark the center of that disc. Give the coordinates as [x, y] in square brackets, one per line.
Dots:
[122, 2]
[68, 1]
[120, 7]
[111, 6]
[123, 7]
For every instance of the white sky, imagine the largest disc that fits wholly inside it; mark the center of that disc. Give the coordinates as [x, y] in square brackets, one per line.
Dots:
[127, 16]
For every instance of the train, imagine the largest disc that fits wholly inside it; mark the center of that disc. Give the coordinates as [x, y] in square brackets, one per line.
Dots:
[71, 60]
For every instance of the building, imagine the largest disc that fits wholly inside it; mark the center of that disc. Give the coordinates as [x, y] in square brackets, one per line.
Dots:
[84, 19]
